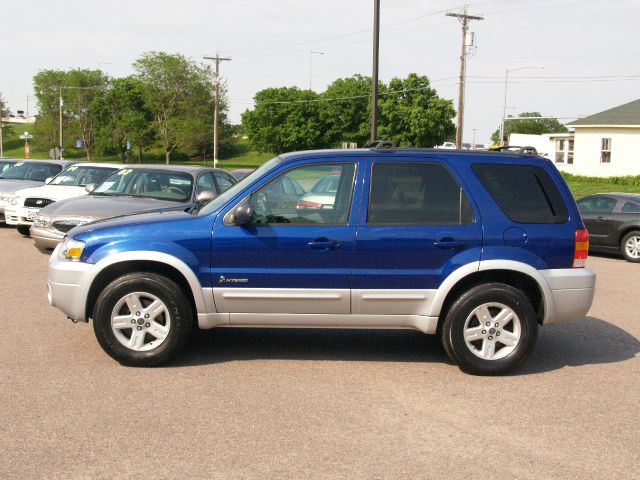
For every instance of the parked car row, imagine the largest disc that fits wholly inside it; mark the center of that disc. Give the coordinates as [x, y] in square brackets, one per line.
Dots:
[46, 199]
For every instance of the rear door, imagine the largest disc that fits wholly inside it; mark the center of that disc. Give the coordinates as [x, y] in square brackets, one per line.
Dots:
[416, 226]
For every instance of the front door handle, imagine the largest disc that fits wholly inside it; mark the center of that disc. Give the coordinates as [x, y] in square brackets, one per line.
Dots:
[324, 244]
[449, 243]
[600, 219]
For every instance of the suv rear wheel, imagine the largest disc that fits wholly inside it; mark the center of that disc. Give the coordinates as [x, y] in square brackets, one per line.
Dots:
[142, 319]
[490, 329]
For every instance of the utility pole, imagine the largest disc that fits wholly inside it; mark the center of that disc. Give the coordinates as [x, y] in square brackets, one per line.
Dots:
[464, 19]
[217, 59]
[60, 120]
[374, 74]
[1, 138]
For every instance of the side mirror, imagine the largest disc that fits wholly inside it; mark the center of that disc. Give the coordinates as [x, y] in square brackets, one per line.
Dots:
[90, 187]
[243, 215]
[204, 197]
[48, 180]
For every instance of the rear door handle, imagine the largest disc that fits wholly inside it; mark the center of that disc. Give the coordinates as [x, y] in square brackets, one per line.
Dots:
[324, 244]
[449, 243]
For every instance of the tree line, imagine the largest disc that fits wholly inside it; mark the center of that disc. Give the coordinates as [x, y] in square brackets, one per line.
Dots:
[166, 105]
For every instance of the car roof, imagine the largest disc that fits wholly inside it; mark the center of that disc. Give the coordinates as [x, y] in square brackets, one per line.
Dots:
[453, 156]
[625, 195]
[174, 168]
[97, 164]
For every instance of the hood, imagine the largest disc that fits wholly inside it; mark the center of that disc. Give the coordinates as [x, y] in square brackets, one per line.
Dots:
[97, 207]
[138, 218]
[53, 192]
[10, 186]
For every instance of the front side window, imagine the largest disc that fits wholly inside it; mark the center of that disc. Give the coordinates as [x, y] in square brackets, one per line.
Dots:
[81, 176]
[631, 207]
[605, 150]
[416, 194]
[205, 183]
[525, 193]
[158, 184]
[298, 196]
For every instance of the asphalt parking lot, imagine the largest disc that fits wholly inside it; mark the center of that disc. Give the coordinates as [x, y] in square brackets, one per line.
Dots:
[315, 403]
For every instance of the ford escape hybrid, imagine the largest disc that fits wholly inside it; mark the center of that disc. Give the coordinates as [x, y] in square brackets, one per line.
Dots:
[479, 248]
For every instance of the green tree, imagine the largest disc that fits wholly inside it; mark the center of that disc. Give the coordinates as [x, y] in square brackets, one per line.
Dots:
[535, 126]
[78, 88]
[179, 94]
[285, 119]
[346, 111]
[412, 114]
[121, 116]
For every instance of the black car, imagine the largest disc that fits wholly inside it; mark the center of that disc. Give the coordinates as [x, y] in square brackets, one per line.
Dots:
[613, 221]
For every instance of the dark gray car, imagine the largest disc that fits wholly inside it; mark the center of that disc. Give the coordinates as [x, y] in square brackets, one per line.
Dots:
[613, 221]
[130, 190]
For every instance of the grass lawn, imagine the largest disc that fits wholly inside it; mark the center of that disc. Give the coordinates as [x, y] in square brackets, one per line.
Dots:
[580, 189]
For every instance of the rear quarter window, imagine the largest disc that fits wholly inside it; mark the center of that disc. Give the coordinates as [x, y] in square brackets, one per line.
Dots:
[525, 193]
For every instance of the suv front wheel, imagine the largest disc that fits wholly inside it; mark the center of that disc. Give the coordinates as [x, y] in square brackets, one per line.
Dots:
[142, 319]
[490, 329]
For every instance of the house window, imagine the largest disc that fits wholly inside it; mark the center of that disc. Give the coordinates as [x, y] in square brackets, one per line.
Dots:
[605, 151]
[560, 146]
[570, 152]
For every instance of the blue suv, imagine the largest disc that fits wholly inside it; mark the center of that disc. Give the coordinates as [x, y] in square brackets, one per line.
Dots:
[478, 247]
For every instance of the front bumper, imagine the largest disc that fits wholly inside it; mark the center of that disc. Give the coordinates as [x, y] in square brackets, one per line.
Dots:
[568, 293]
[45, 238]
[68, 286]
[19, 215]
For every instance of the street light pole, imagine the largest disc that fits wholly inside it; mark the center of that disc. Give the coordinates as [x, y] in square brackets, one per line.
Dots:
[504, 106]
[311, 53]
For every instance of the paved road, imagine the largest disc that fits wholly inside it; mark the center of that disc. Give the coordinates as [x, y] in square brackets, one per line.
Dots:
[316, 403]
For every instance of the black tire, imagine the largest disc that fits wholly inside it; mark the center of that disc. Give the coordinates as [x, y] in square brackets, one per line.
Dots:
[623, 249]
[462, 309]
[181, 319]
[24, 230]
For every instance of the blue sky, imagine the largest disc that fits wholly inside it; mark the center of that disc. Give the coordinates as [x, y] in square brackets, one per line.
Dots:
[588, 48]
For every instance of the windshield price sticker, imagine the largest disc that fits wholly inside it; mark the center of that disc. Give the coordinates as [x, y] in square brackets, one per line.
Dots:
[19, 164]
[72, 168]
[125, 171]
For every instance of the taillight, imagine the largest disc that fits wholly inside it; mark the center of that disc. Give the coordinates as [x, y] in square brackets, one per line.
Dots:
[307, 204]
[581, 249]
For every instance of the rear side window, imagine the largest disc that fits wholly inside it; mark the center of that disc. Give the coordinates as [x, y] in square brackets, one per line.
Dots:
[416, 194]
[525, 193]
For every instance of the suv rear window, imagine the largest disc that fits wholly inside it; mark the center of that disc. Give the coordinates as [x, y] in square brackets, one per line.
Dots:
[525, 193]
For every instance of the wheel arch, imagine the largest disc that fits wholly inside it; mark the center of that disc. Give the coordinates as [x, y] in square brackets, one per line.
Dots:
[174, 269]
[625, 230]
[519, 276]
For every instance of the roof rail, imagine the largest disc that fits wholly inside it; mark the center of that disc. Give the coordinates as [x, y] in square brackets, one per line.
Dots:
[379, 144]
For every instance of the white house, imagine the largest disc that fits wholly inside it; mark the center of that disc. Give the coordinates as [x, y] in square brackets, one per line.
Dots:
[605, 144]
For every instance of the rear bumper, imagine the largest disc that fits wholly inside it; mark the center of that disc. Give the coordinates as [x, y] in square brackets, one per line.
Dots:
[568, 293]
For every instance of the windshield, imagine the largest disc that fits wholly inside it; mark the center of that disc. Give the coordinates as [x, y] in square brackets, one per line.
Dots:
[223, 198]
[80, 176]
[36, 171]
[148, 183]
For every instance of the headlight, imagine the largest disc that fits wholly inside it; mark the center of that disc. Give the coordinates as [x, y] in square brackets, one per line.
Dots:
[15, 201]
[7, 197]
[42, 221]
[70, 249]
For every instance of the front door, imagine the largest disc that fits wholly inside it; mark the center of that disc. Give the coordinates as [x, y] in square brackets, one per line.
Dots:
[416, 227]
[296, 256]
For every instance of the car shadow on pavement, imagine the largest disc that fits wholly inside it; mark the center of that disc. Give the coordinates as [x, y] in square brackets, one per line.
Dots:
[590, 341]
[583, 342]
